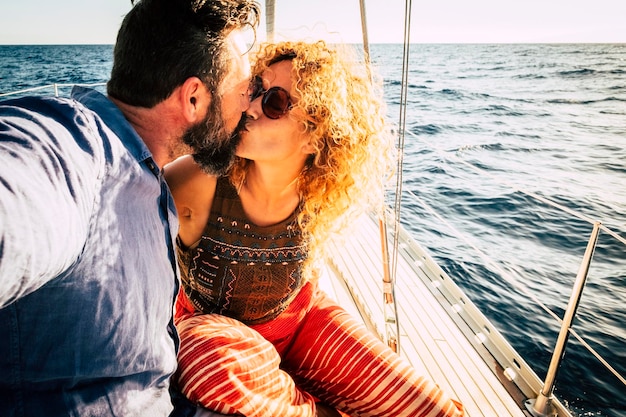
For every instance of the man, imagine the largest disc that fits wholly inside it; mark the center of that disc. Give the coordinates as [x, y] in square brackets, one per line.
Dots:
[87, 225]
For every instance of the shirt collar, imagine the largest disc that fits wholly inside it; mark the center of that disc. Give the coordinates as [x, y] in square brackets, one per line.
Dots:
[115, 120]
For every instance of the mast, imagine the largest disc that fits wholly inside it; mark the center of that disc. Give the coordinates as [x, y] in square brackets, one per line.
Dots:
[270, 9]
[366, 44]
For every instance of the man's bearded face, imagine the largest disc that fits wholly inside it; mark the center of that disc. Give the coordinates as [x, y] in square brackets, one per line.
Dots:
[212, 145]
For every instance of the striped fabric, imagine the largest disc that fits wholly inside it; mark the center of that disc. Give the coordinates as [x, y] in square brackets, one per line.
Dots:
[313, 351]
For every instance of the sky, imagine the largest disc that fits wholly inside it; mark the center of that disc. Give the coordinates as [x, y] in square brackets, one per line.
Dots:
[432, 21]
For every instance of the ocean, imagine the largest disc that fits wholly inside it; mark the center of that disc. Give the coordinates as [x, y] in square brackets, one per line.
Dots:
[488, 128]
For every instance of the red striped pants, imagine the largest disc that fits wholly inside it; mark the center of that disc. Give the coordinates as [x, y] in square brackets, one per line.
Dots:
[313, 351]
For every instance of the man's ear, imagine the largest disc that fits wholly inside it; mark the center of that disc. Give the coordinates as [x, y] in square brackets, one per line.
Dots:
[194, 99]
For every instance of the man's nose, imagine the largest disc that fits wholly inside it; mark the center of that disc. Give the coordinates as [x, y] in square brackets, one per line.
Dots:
[245, 102]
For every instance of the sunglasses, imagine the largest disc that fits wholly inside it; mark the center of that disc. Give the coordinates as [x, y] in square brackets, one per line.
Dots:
[276, 101]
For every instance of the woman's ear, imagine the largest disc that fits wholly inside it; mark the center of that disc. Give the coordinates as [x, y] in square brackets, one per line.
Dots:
[194, 99]
[308, 147]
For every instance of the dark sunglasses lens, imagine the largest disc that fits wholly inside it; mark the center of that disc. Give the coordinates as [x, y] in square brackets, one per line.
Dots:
[275, 102]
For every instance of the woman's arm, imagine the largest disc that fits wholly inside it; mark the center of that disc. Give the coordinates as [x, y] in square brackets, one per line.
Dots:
[193, 192]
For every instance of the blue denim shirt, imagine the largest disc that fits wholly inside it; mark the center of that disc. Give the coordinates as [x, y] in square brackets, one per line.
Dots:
[87, 269]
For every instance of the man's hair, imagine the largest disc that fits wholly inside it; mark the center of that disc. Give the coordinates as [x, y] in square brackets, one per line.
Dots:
[161, 43]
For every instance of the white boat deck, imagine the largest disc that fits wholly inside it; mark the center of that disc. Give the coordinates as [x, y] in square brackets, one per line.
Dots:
[436, 322]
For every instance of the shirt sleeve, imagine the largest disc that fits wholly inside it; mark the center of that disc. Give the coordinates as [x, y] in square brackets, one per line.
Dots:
[48, 183]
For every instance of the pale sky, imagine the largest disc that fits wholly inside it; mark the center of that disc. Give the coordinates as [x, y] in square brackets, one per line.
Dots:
[453, 21]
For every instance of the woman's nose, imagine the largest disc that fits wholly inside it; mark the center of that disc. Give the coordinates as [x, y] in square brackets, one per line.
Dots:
[254, 109]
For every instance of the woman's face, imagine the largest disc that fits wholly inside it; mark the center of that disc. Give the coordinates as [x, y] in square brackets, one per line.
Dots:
[282, 139]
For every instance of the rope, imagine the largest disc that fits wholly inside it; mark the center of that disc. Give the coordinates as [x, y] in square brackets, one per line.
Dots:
[390, 308]
[389, 287]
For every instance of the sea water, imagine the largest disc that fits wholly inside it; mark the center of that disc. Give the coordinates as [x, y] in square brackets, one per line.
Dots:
[488, 127]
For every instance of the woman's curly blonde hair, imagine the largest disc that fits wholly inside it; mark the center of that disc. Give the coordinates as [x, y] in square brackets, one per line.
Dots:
[345, 116]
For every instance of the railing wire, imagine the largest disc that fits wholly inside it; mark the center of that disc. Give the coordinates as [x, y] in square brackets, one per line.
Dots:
[491, 263]
[54, 87]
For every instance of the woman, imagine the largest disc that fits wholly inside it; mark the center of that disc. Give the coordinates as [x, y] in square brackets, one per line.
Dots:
[258, 337]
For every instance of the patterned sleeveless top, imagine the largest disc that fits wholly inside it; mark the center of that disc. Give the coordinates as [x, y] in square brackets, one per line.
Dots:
[241, 270]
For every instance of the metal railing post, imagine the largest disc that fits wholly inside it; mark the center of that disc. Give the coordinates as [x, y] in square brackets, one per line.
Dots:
[541, 406]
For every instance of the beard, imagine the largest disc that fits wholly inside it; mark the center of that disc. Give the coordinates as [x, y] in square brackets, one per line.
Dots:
[213, 148]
